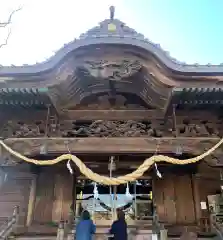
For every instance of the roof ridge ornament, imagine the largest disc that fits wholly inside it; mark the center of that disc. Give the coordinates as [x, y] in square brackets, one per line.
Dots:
[112, 12]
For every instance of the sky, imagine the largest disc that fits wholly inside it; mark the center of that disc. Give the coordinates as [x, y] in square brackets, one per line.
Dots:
[191, 30]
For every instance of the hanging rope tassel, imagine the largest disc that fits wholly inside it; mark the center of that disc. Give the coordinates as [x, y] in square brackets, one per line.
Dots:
[151, 195]
[158, 173]
[96, 195]
[68, 162]
[81, 195]
[127, 192]
[69, 167]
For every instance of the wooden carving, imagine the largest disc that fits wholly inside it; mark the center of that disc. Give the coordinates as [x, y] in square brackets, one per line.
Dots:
[111, 128]
[116, 70]
[130, 128]
[198, 129]
[22, 129]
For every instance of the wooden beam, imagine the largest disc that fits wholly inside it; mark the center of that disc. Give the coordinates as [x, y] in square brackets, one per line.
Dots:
[31, 146]
[112, 114]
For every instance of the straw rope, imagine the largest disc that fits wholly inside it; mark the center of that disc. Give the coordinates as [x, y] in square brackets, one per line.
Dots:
[107, 180]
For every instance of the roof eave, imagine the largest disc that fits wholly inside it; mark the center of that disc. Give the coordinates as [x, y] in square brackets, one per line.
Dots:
[142, 43]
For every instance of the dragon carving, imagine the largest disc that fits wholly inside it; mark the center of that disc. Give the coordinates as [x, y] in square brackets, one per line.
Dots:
[116, 70]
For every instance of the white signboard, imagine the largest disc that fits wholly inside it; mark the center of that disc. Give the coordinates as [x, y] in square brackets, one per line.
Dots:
[203, 205]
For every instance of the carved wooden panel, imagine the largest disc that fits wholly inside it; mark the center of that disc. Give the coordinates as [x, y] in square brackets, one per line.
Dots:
[113, 70]
[113, 129]
[23, 129]
[28, 127]
[109, 70]
[185, 127]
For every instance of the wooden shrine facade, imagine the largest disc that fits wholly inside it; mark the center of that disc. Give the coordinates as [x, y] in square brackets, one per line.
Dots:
[110, 92]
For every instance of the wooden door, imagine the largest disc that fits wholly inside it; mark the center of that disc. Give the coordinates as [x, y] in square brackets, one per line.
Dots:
[44, 198]
[164, 199]
[173, 197]
[54, 196]
[62, 197]
[185, 205]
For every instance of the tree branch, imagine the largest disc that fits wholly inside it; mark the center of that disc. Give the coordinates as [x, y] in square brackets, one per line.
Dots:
[6, 40]
[4, 24]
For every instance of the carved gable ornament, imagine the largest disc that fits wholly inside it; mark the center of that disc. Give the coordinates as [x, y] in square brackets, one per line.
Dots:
[109, 70]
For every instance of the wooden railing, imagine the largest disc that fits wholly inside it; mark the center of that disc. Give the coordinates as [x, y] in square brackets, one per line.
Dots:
[8, 226]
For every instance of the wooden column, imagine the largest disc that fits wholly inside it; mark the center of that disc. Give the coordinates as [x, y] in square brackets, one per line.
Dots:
[74, 194]
[72, 213]
[32, 199]
[57, 214]
[196, 195]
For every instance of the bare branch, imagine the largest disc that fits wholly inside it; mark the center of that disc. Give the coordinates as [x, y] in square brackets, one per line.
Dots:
[4, 24]
[6, 40]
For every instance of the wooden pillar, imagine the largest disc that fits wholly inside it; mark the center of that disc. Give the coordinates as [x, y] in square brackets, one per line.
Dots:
[72, 213]
[74, 194]
[58, 214]
[196, 195]
[32, 199]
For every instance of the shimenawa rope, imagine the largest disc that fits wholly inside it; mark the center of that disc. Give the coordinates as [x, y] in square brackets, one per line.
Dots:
[107, 180]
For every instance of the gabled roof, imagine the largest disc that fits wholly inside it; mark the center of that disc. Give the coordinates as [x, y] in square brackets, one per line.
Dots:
[112, 31]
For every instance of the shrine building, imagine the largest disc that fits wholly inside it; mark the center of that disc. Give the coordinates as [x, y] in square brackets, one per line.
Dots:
[113, 99]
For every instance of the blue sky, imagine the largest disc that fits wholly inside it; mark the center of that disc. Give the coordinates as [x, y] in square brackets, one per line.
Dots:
[191, 30]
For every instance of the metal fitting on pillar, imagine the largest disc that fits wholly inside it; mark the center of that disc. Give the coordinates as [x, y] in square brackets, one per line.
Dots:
[60, 231]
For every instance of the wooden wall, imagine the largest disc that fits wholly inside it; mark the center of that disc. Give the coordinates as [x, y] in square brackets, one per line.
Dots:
[53, 196]
[14, 191]
[173, 196]
[178, 197]
[207, 182]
